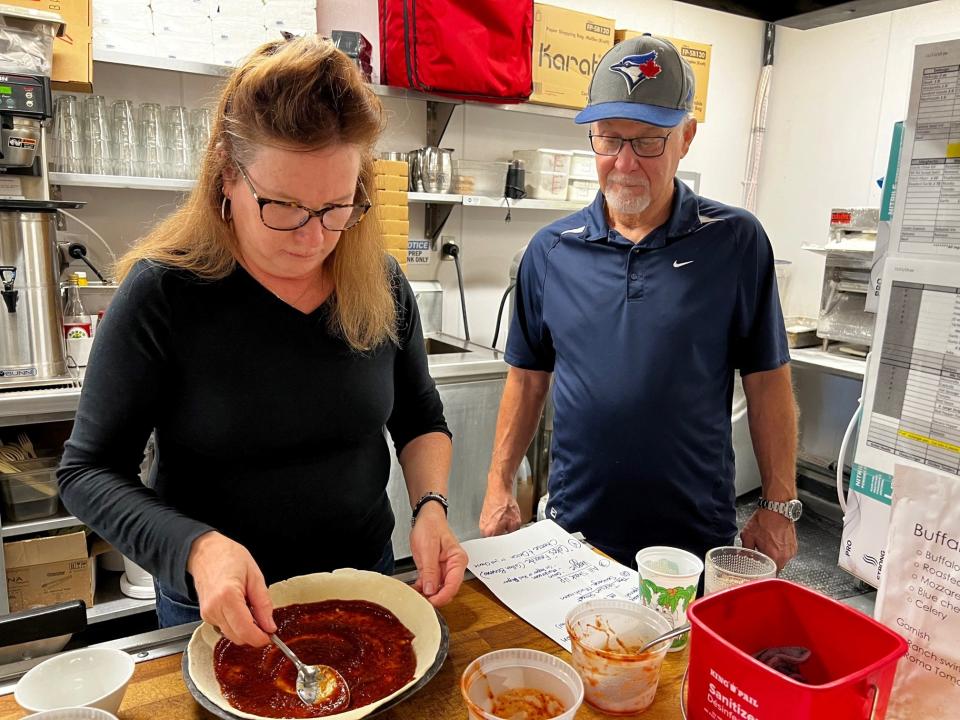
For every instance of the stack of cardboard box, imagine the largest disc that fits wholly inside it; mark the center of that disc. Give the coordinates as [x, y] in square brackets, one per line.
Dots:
[49, 570]
[391, 207]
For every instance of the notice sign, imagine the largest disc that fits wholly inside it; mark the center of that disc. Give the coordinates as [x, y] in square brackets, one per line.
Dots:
[418, 252]
[541, 572]
[919, 594]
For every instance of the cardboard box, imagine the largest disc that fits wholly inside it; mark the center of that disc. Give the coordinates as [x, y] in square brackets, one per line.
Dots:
[49, 570]
[72, 53]
[395, 242]
[698, 55]
[567, 47]
[390, 167]
[393, 212]
[391, 197]
[395, 227]
[390, 182]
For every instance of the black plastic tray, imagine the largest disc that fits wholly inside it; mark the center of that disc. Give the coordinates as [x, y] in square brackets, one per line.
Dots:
[209, 706]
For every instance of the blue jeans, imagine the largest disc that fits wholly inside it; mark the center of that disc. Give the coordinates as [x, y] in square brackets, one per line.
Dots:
[175, 609]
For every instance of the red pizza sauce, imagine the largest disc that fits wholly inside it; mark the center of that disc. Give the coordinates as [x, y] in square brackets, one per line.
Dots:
[364, 641]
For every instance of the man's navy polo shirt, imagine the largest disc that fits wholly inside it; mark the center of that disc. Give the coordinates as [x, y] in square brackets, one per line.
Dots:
[643, 340]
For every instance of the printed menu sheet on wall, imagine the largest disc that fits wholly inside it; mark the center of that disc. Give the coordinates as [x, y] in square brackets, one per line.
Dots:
[541, 572]
[926, 221]
[911, 404]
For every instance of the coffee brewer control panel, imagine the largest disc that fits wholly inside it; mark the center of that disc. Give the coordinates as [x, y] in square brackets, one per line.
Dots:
[25, 96]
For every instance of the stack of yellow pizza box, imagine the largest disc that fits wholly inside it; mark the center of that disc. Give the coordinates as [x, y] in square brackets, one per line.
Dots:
[391, 204]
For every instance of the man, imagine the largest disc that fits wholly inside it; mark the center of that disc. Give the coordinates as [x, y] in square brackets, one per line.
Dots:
[641, 307]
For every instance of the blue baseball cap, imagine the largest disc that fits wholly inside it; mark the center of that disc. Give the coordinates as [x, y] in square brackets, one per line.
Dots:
[644, 79]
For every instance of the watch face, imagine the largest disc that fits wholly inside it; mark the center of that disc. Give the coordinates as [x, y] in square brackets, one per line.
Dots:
[794, 509]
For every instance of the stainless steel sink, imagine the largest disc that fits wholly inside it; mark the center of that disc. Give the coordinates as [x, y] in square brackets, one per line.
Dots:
[439, 347]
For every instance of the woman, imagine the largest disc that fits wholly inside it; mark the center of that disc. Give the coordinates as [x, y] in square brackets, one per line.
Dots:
[266, 338]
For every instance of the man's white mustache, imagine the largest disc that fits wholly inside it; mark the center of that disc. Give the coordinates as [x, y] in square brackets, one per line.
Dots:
[626, 181]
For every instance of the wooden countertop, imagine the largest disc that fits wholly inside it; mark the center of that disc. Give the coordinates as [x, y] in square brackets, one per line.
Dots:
[478, 624]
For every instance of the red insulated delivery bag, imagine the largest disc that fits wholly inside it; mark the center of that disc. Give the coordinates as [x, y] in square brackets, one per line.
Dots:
[476, 50]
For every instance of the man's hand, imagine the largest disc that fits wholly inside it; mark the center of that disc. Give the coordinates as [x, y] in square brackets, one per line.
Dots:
[233, 595]
[438, 556]
[500, 514]
[772, 534]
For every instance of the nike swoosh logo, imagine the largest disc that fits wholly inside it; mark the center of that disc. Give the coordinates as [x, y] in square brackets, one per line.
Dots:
[681, 264]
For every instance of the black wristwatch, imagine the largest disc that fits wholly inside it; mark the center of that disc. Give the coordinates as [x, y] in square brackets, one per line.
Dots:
[791, 509]
[424, 499]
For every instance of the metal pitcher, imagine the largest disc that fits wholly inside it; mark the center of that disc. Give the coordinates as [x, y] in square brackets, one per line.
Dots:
[436, 169]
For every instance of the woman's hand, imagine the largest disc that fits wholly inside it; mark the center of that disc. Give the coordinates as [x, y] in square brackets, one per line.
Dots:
[438, 556]
[233, 595]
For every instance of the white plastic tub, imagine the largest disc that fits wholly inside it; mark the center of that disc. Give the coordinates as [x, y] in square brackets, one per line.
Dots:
[545, 160]
[583, 164]
[580, 190]
[546, 185]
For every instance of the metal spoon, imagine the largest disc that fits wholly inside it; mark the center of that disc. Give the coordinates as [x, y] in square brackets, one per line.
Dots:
[679, 630]
[315, 683]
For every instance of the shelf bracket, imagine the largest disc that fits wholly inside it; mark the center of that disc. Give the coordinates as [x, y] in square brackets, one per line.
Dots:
[435, 217]
[438, 117]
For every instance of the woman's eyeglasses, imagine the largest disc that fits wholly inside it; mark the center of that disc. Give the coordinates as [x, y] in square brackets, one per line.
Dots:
[289, 215]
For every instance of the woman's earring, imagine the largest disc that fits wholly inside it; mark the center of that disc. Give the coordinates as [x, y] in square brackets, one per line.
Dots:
[224, 206]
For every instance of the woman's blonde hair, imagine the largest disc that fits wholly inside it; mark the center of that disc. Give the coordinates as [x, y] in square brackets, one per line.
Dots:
[300, 94]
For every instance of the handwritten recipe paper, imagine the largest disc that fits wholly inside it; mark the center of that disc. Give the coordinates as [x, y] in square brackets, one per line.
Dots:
[541, 572]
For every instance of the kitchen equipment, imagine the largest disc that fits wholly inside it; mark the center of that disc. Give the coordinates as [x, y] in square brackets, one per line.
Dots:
[394, 155]
[546, 185]
[31, 333]
[849, 674]
[727, 567]
[516, 181]
[481, 177]
[492, 675]
[315, 683]
[37, 632]
[91, 677]
[668, 584]
[414, 164]
[583, 164]
[582, 189]
[436, 169]
[846, 277]
[545, 160]
[31, 493]
[605, 637]
[135, 581]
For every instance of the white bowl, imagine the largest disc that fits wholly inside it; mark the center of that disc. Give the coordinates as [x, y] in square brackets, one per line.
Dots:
[78, 713]
[91, 678]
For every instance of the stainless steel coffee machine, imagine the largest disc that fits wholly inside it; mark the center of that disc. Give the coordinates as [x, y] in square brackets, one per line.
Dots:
[32, 350]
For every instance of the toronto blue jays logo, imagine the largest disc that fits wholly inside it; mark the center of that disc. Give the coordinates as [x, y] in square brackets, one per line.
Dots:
[637, 68]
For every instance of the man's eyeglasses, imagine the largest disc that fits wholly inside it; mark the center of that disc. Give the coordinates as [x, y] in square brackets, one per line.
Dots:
[642, 146]
[289, 215]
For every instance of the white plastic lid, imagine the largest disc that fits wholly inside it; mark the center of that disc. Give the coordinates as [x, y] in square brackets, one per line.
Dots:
[44, 16]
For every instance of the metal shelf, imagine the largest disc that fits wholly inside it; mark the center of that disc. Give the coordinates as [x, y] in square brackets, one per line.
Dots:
[492, 202]
[60, 520]
[532, 204]
[121, 182]
[109, 603]
[436, 198]
[160, 63]
[200, 68]
[834, 363]
[42, 405]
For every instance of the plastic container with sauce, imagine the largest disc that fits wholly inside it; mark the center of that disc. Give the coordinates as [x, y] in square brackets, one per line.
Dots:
[506, 678]
[604, 635]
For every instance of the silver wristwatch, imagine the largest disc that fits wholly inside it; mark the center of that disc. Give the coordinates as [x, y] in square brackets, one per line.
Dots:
[791, 509]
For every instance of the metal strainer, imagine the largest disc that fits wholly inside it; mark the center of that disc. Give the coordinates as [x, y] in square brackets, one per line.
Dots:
[726, 567]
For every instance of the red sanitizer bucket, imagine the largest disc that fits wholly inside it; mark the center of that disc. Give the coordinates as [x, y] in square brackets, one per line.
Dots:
[850, 670]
